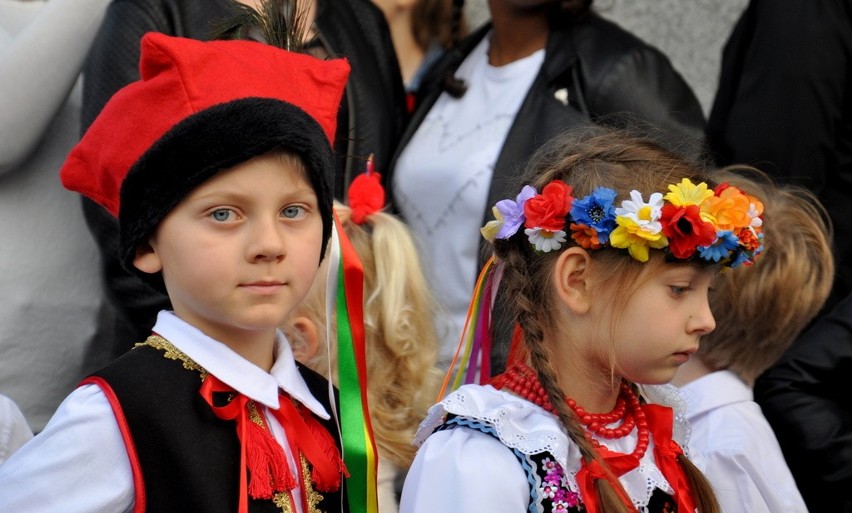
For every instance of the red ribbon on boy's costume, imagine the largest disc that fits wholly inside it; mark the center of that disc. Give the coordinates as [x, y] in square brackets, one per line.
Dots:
[263, 458]
[666, 452]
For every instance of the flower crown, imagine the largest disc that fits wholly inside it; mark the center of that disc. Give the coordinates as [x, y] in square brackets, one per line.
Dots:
[721, 225]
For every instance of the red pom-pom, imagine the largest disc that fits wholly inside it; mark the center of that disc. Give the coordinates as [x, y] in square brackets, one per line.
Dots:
[366, 196]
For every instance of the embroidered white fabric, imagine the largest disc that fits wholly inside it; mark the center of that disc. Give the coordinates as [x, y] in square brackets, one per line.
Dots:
[526, 427]
[669, 395]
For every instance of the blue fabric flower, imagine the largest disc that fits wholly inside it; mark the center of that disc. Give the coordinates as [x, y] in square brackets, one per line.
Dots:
[739, 257]
[513, 212]
[597, 211]
[721, 249]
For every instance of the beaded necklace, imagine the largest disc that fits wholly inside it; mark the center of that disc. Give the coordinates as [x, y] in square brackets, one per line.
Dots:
[521, 380]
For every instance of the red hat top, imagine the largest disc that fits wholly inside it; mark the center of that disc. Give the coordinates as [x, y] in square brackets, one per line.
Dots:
[181, 77]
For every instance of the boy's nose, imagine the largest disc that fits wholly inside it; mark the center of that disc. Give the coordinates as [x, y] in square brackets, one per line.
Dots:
[268, 242]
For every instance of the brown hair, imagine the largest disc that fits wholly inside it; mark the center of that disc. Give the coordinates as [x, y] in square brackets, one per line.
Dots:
[586, 159]
[760, 309]
[433, 20]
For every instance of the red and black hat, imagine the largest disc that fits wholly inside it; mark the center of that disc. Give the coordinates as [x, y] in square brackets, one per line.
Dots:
[199, 108]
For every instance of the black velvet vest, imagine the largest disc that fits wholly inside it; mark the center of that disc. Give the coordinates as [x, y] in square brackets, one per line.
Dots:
[184, 458]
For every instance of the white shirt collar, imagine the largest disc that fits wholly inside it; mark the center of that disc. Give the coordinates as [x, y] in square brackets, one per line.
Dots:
[713, 391]
[237, 372]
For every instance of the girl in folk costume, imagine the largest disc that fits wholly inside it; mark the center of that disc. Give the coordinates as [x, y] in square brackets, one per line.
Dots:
[218, 166]
[605, 259]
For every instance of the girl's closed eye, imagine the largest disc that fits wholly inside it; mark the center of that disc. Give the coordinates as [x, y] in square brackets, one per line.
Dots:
[679, 290]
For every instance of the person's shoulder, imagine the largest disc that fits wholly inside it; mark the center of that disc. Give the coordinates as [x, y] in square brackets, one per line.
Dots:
[313, 379]
[604, 37]
[152, 369]
[517, 422]
[734, 430]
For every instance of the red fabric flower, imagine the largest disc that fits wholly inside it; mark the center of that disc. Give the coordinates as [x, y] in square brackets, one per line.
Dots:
[685, 229]
[748, 240]
[548, 209]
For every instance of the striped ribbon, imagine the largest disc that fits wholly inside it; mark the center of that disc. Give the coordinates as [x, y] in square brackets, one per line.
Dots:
[472, 359]
[359, 448]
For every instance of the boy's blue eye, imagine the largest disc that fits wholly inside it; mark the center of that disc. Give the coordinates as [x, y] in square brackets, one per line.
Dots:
[221, 214]
[293, 211]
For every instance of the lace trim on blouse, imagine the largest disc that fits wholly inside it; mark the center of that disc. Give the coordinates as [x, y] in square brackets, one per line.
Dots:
[530, 430]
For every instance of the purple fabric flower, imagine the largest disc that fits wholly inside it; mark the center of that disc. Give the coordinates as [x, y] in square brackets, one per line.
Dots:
[513, 212]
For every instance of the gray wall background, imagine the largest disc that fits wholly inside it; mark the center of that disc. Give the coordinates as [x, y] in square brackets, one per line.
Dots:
[691, 32]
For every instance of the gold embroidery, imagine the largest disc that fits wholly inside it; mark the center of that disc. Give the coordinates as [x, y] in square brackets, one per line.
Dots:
[254, 415]
[312, 497]
[283, 501]
[173, 353]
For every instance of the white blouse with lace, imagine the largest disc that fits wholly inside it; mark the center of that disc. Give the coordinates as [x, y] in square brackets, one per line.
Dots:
[462, 469]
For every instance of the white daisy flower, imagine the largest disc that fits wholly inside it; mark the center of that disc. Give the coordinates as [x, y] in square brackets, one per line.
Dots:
[545, 240]
[756, 221]
[645, 215]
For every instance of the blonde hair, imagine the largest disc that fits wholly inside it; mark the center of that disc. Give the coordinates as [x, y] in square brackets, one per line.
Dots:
[401, 345]
[586, 159]
[760, 309]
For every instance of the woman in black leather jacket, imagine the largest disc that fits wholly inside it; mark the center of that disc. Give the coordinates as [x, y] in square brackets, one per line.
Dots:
[591, 71]
[371, 117]
[805, 397]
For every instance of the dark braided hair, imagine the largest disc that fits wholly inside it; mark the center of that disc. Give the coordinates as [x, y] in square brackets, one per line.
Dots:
[587, 158]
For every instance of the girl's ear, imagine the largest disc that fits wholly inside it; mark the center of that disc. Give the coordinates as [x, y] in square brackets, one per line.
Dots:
[571, 279]
[146, 259]
[306, 344]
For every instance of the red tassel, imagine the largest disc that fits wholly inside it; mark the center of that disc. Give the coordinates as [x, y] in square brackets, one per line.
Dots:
[267, 463]
[315, 442]
[323, 482]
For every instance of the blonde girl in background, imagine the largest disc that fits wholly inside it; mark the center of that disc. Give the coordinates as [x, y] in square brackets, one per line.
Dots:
[606, 258]
[401, 345]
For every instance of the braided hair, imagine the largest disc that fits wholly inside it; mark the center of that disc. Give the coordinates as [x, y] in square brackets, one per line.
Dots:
[586, 159]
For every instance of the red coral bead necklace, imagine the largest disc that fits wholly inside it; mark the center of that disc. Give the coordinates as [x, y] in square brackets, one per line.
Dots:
[523, 381]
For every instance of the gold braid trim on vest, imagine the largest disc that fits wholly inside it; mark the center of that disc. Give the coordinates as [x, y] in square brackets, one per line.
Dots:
[281, 500]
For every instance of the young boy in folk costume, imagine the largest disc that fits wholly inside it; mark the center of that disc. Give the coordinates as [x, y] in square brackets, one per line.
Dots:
[217, 164]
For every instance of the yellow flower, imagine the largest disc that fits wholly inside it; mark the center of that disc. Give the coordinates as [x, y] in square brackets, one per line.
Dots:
[687, 193]
[489, 231]
[630, 235]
